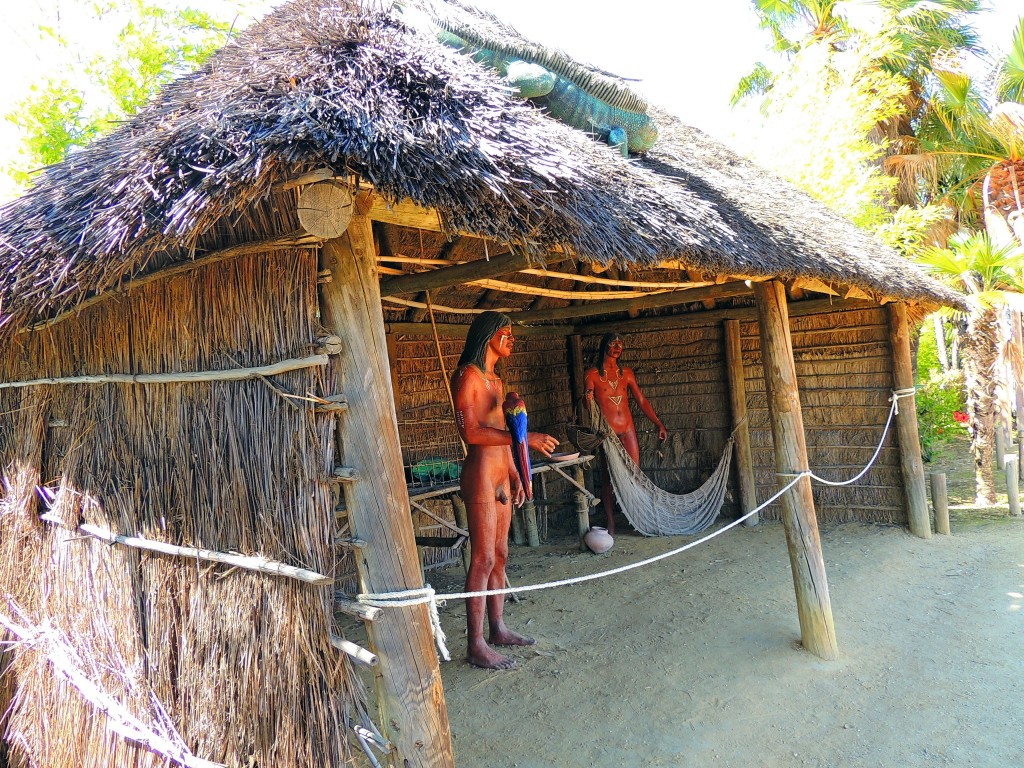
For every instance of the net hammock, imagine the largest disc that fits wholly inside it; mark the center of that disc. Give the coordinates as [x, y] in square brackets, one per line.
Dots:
[652, 511]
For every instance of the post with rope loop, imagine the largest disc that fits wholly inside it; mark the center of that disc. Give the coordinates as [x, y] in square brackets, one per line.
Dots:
[906, 422]
[814, 606]
[413, 714]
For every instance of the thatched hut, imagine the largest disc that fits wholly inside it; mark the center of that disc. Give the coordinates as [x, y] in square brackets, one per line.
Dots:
[207, 411]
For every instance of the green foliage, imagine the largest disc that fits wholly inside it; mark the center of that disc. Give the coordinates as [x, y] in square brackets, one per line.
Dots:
[150, 46]
[938, 398]
[909, 228]
[1010, 85]
[816, 126]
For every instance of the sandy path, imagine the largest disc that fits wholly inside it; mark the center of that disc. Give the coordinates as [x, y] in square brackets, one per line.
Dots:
[695, 660]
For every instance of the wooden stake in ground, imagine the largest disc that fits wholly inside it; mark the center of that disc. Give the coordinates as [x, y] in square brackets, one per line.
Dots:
[413, 713]
[940, 503]
[817, 631]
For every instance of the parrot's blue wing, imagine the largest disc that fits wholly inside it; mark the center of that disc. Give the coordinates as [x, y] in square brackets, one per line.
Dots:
[515, 419]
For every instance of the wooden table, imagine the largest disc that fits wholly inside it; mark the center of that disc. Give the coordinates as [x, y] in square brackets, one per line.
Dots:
[419, 494]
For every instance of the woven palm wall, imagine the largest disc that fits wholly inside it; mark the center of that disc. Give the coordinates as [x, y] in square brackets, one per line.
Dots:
[235, 666]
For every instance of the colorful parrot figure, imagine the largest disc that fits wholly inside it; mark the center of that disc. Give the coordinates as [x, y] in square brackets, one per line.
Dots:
[515, 419]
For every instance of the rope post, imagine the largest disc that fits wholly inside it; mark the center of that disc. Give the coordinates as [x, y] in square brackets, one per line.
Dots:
[1012, 487]
[814, 606]
[940, 502]
[906, 422]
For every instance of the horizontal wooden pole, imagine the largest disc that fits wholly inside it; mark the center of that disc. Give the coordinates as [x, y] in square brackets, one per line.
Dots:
[357, 652]
[296, 239]
[247, 562]
[716, 316]
[635, 325]
[445, 277]
[504, 286]
[355, 609]
[459, 331]
[185, 377]
[647, 301]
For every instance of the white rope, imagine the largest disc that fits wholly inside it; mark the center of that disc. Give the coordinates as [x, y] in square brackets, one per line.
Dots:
[893, 411]
[427, 594]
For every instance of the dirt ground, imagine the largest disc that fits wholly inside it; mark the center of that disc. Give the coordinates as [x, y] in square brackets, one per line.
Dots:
[695, 660]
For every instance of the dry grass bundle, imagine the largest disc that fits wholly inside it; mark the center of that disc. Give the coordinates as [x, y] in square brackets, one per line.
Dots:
[239, 664]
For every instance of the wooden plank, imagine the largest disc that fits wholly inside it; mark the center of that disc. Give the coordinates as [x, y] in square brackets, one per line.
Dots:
[814, 606]
[738, 403]
[409, 693]
[906, 423]
[404, 214]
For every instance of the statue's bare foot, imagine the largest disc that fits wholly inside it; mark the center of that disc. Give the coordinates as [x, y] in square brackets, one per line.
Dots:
[487, 658]
[508, 637]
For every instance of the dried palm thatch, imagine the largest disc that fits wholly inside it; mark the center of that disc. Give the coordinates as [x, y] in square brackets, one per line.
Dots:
[225, 664]
[351, 86]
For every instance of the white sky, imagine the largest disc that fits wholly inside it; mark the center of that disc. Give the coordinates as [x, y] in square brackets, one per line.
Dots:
[687, 55]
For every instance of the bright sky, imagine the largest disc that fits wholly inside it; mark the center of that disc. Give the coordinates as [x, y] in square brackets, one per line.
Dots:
[687, 59]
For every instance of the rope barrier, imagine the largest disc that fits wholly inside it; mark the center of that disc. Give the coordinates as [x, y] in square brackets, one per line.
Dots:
[427, 595]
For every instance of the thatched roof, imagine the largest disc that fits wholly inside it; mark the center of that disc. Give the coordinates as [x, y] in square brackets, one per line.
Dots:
[355, 87]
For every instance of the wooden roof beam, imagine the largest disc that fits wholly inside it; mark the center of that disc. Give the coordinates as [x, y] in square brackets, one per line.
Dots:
[647, 301]
[446, 277]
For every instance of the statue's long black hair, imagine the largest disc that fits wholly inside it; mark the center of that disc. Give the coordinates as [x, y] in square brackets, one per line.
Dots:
[480, 334]
[607, 339]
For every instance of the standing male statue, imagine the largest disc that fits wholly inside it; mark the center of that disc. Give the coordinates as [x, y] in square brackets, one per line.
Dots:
[490, 482]
[611, 387]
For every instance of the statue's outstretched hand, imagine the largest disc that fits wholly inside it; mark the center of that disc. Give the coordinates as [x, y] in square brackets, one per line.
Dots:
[662, 433]
[541, 442]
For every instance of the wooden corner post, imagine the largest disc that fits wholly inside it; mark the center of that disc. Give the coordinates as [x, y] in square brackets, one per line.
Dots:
[817, 631]
[738, 402]
[413, 713]
[906, 423]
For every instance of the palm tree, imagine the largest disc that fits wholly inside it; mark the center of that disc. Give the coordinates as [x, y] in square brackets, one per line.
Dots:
[810, 20]
[991, 277]
[968, 154]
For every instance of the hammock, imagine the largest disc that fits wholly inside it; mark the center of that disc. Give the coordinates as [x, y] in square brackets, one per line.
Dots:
[651, 510]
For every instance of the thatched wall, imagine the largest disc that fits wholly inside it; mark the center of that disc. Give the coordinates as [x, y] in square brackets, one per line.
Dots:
[239, 664]
[844, 364]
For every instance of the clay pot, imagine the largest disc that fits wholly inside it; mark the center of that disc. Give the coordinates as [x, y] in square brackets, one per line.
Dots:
[598, 540]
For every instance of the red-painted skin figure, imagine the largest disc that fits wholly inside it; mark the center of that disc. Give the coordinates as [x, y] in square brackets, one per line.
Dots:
[490, 485]
[611, 386]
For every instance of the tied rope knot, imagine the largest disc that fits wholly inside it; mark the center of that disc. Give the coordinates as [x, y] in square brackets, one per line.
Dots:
[897, 394]
[408, 597]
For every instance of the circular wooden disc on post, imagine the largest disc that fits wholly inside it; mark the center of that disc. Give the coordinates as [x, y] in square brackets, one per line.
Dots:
[325, 209]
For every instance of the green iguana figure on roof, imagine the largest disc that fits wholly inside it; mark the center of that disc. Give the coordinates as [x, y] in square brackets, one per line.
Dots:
[576, 95]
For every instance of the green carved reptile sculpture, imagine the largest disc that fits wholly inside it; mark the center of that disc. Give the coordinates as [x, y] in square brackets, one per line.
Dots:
[578, 96]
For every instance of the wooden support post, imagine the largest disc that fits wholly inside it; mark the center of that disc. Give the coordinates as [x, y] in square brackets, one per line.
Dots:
[814, 607]
[940, 502]
[1018, 391]
[410, 697]
[530, 517]
[1012, 486]
[462, 520]
[906, 422]
[518, 532]
[582, 507]
[577, 367]
[738, 403]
